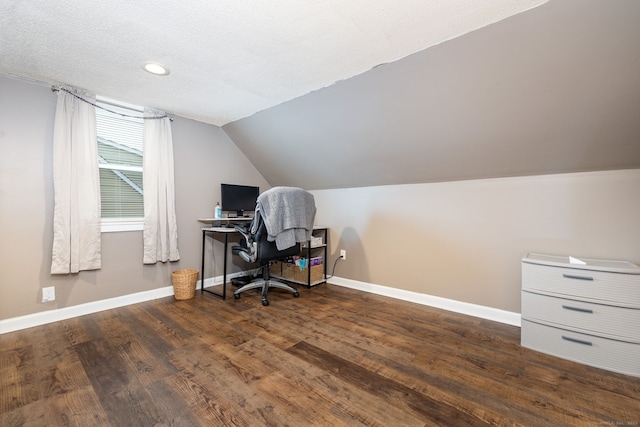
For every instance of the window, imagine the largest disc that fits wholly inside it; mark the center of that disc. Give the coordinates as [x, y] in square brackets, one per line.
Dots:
[120, 141]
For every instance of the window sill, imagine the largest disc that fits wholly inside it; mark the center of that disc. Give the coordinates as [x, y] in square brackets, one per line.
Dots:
[118, 225]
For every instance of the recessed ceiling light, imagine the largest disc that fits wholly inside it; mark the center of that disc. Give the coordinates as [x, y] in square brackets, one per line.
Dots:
[155, 68]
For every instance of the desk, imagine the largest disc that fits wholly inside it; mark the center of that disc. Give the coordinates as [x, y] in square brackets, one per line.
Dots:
[226, 231]
[225, 220]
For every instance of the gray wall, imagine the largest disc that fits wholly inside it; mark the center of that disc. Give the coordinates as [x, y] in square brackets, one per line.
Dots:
[459, 240]
[204, 157]
[551, 90]
[464, 240]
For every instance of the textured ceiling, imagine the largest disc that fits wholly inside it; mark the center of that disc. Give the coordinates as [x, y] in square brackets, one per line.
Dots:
[228, 59]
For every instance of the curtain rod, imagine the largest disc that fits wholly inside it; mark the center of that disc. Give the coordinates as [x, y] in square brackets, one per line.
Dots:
[60, 88]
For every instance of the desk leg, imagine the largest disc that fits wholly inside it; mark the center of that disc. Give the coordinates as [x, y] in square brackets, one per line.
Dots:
[224, 277]
[309, 264]
[224, 269]
[202, 264]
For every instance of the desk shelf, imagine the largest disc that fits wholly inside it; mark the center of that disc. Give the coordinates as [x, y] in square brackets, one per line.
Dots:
[292, 273]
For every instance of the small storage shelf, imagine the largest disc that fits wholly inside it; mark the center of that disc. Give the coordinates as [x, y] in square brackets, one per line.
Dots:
[310, 268]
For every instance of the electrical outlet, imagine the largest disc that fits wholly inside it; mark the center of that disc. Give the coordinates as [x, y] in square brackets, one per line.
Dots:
[48, 294]
[343, 254]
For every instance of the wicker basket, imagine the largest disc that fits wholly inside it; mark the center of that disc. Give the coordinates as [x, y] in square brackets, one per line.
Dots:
[184, 283]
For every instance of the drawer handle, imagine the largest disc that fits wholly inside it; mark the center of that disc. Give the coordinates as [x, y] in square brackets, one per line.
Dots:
[581, 310]
[571, 276]
[575, 340]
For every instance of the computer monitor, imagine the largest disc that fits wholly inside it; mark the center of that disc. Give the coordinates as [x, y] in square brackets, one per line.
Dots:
[236, 199]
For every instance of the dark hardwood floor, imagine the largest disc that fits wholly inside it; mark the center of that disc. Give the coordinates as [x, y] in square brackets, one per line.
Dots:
[332, 357]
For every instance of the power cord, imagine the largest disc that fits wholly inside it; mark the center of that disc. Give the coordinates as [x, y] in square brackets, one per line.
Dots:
[333, 270]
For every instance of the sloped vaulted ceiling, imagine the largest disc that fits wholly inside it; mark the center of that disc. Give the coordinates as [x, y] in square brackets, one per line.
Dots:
[555, 89]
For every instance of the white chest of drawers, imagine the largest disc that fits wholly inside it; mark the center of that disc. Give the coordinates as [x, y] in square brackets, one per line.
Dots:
[588, 313]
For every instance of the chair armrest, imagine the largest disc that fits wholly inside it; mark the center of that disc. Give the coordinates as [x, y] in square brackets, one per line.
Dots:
[248, 251]
[244, 230]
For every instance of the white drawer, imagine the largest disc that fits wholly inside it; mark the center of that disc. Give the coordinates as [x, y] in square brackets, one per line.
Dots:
[596, 286]
[617, 356]
[613, 322]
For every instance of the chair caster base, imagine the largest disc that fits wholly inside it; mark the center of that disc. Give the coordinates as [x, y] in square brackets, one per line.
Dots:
[236, 296]
[265, 302]
[296, 295]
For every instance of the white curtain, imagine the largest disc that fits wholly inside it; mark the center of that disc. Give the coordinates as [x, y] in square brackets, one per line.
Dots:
[160, 228]
[76, 184]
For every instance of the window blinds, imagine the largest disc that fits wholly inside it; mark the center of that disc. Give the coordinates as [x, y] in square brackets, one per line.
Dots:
[120, 141]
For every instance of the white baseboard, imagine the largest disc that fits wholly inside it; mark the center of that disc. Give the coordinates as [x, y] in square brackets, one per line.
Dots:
[50, 316]
[480, 311]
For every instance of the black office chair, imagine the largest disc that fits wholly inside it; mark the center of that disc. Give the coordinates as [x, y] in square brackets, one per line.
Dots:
[279, 210]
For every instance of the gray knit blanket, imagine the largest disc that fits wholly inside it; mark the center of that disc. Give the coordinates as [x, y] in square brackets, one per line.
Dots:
[288, 214]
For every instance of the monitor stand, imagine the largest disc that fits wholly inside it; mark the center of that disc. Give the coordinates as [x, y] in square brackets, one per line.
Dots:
[236, 214]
